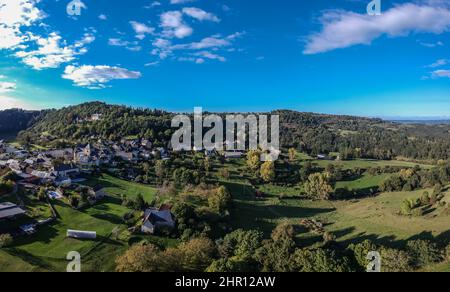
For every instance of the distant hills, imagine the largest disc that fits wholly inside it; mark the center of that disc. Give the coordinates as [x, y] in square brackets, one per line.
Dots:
[308, 132]
[13, 121]
[426, 122]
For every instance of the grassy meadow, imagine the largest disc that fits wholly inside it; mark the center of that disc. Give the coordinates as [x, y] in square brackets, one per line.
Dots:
[376, 218]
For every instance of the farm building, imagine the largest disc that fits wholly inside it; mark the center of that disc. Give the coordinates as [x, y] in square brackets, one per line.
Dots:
[154, 219]
[81, 234]
[10, 210]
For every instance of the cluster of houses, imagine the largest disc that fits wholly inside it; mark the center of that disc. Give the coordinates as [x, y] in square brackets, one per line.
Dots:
[62, 166]
[65, 167]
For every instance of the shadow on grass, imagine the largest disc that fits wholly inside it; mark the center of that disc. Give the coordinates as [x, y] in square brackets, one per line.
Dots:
[345, 194]
[111, 218]
[30, 259]
[264, 217]
[45, 234]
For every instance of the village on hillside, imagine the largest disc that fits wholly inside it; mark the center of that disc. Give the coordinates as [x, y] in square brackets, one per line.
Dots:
[57, 172]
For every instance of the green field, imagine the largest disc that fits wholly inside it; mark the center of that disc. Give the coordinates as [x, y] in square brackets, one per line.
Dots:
[366, 181]
[117, 187]
[369, 218]
[47, 249]
[365, 163]
[374, 218]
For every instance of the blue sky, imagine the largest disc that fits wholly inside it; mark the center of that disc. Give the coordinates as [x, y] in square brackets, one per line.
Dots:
[229, 55]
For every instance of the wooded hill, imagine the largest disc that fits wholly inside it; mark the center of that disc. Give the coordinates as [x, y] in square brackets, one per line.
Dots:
[14, 120]
[309, 132]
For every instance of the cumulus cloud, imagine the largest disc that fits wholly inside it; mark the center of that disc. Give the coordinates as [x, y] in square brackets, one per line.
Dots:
[441, 74]
[342, 29]
[164, 48]
[131, 46]
[439, 63]
[16, 15]
[216, 41]
[152, 5]
[39, 51]
[174, 26]
[200, 14]
[7, 87]
[141, 29]
[432, 45]
[53, 51]
[209, 55]
[181, 1]
[97, 77]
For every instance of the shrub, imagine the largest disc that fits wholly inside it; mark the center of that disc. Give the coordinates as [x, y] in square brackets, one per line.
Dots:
[318, 186]
[220, 200]
[425, 199]
[320, 260]
[393, 261]
[418, 212]
[360, 252]
[447, 252]
[423, 252]
[224, 173]
[5, 240]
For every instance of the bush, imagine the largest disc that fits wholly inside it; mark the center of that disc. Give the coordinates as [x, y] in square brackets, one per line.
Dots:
[418, 212]
[394, 261]
[320, 260]
[5, 240]
[360, 252]
[425, 199]
[423, 252]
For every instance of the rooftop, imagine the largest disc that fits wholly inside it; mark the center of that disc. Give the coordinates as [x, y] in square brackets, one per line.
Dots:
[8, 210]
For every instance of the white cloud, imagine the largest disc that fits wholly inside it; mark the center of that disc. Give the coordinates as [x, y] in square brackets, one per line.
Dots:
[439, 63]
[131, 46]
[7, 87]
[103, 17]
[432, 45]
[210, 42]
[174, 26]
[209, 55]
[181, 1]
[14, 16]
[441, 74]
[342, 29]
[141, 29]
[53, 51]
[152, 64]
[49, 50]
[164, 48]
[96, 77]
[152, 5]
[200, 14]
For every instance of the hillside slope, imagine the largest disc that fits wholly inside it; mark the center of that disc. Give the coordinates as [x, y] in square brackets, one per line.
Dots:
[312, 133]
[13, 121]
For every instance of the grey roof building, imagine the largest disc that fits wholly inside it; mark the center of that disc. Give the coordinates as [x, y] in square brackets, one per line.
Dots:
[10, 210]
